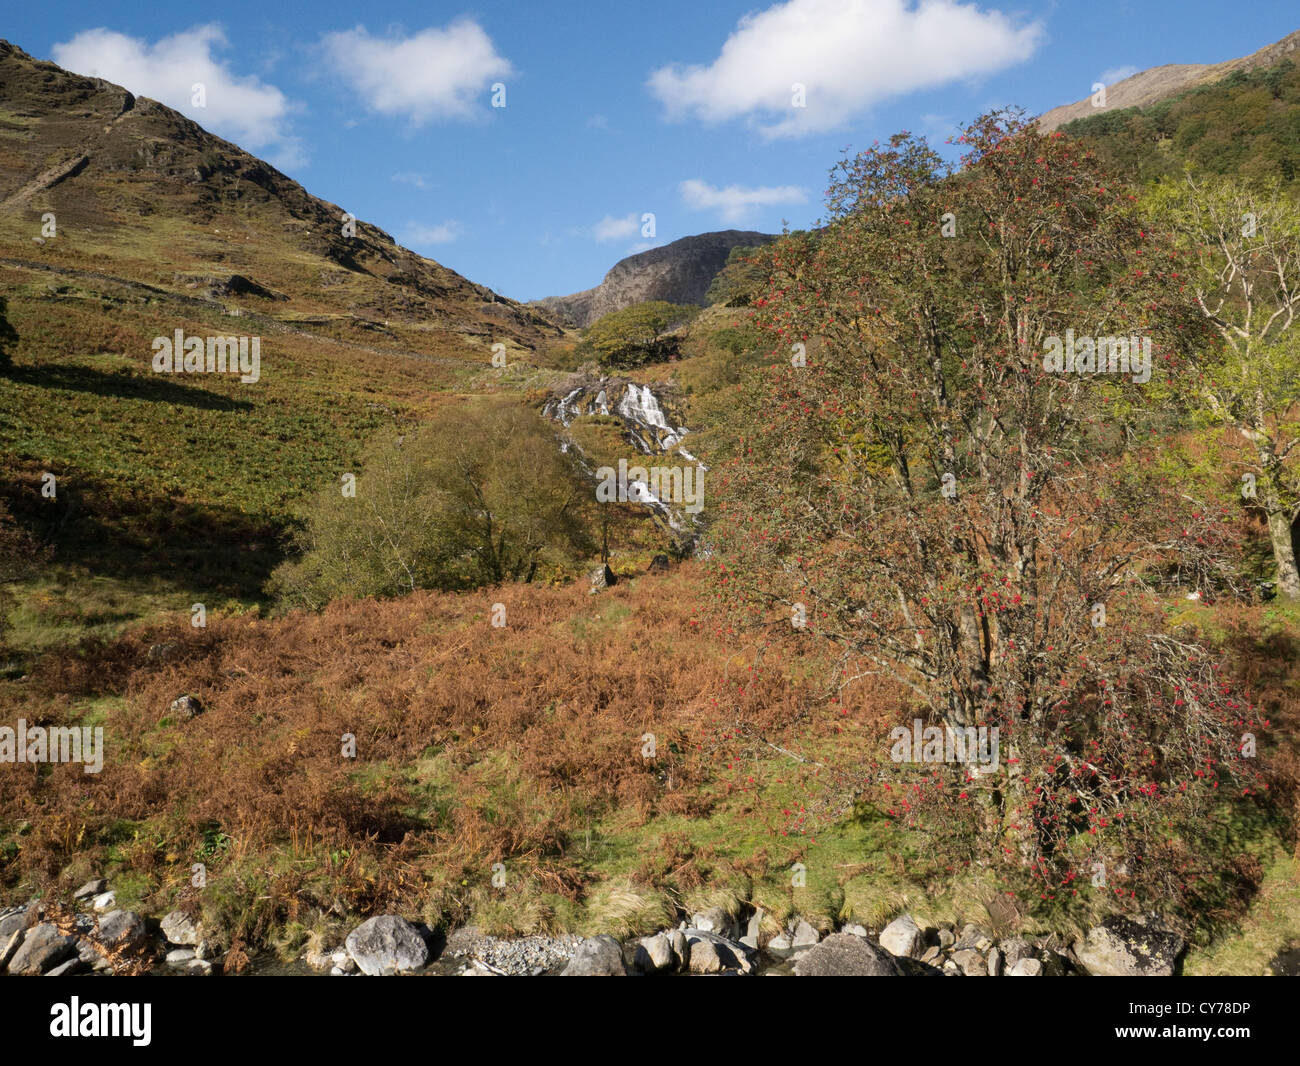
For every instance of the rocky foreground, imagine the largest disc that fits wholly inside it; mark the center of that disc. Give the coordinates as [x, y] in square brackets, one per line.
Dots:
[92, 935]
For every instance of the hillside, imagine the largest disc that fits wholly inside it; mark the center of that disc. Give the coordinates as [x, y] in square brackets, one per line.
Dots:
[176, 488]
[1248, 123]
[679, 273]
[1158, 83]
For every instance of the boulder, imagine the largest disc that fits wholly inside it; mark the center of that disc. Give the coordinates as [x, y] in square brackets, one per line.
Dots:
[804, 935]
[9, 947]
[970, 962]
[91, 888]
[122, 930]
[179, 928]
[654, 954]
[387, 944]
[903, 937]
[178, 957]
[186, 707]
[846, 955]
[715, 920]
[681, 948]
[1026, 968]
[42, 949]
[730, 954]
[105, 901]
[602, 578]
[1122, 947]
[12, 922]
[1017, 948]
[597, 956]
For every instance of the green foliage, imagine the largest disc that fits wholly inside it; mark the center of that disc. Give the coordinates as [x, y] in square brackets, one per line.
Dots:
[1247, 124]
[481, 500]
[742, 278]
[639, 334]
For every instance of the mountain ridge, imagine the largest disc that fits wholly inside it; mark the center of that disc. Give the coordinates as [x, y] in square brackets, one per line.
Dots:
[1149, 86]
[679, 272]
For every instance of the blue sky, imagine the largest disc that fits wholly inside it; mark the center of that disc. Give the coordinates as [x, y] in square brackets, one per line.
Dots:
[679, 108]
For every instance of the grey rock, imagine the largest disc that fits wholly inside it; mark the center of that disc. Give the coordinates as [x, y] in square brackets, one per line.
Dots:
[198, 968]
[186, 706]
[705, 958]
[42, 949]
[995, 963]
[105, 901]
[122, 930]
[1026, 968]
[180, 929]
[73, 966]
[973, 938]
[780, 946]
[846, 955]
[387, 944]
[597, 956]
[602, 578]
[12, 922]
[804, 935]
[731, 954]
[946, 938]
[681, 948]
[10, 947]
[1122, 947]
[856, 930]
[654, 954]
[1017, 948]
[903, 937]
[178, 957]
[931, 955]
[92, 887]
[971, 962]
[715, 920]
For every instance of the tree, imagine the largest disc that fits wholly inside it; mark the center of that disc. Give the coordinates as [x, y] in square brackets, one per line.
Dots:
[480, 499]
[638, 334]
[1243, 240]
[946, 508]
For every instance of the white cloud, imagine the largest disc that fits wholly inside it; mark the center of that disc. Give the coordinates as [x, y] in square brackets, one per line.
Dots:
[418, 235]
[1110, 77]
[242, 109]
[847, 54]
[610, 228]
[736, 202]
[434, 74]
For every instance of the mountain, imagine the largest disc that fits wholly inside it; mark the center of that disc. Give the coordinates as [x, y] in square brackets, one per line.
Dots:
[1157, 83]
[135, 187]
[680, 273]
[123, 222]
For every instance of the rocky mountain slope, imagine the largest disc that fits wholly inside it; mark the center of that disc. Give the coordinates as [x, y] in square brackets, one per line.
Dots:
[680, 273]
[152, 197]
[1149, 86]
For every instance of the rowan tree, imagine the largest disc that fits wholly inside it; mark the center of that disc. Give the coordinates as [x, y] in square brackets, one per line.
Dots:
[995, 537]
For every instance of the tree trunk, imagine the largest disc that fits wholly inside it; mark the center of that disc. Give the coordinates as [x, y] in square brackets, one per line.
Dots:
[1282, 533]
